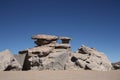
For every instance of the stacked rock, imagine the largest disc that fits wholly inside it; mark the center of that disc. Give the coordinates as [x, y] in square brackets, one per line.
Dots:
[46, 44]
[91, 59]
[42, 39]
[65, 43]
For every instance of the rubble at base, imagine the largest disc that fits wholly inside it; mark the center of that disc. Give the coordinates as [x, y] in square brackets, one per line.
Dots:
[48, 54]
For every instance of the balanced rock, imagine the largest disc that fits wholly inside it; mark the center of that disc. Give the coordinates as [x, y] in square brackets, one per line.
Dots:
[65, 40]
[52, 55]
[42, 39]
[46, 37]
[8, 62]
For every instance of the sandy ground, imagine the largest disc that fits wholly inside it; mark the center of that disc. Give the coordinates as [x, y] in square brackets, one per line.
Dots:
[59, 75]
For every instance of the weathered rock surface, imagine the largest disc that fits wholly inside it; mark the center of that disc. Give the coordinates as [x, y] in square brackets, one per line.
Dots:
[8, 61]
[55, 61]
[50, 55]
[42, 39]
[91, 59]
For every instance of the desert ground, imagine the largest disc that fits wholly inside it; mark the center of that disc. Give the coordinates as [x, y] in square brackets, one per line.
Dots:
[60, 75]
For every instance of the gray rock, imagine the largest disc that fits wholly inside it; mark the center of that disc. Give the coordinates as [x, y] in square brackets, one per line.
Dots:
[8, 62]
[80, 56]
[20, 58]
[55, 61]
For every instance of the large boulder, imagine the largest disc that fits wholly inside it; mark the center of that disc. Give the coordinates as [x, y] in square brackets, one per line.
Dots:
[8, 61]
[55, 61]
[91, 59]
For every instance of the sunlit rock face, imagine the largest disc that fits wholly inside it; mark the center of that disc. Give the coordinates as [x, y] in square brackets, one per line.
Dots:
[91, 59]
[8, 62]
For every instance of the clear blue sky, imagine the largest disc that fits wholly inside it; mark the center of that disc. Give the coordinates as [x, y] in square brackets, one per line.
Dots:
[95, 23]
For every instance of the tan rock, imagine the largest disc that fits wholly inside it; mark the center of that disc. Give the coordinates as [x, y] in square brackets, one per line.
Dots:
[65, 40]
[93, 59]
[45, 37]
[8, 61]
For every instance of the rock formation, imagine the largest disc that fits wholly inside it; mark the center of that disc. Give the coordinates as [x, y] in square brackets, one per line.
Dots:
[8, 62]
[91, 59]
[48, 54]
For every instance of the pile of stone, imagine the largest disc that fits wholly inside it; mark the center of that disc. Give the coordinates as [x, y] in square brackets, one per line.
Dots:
[48, 54]
[90, 59]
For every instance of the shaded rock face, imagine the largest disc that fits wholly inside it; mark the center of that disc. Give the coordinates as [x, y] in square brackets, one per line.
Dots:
[116, 65]
[8, 62]
[55, 61]
[90, 59]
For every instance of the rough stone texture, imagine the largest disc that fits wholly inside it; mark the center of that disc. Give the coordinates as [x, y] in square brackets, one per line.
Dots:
[50, 55]
[8, 62]
[91, 59]
[47, 55]
[55, 61]
[55, 56]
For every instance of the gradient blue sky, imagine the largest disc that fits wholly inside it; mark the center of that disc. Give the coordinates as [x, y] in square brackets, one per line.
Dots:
[95, 23]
